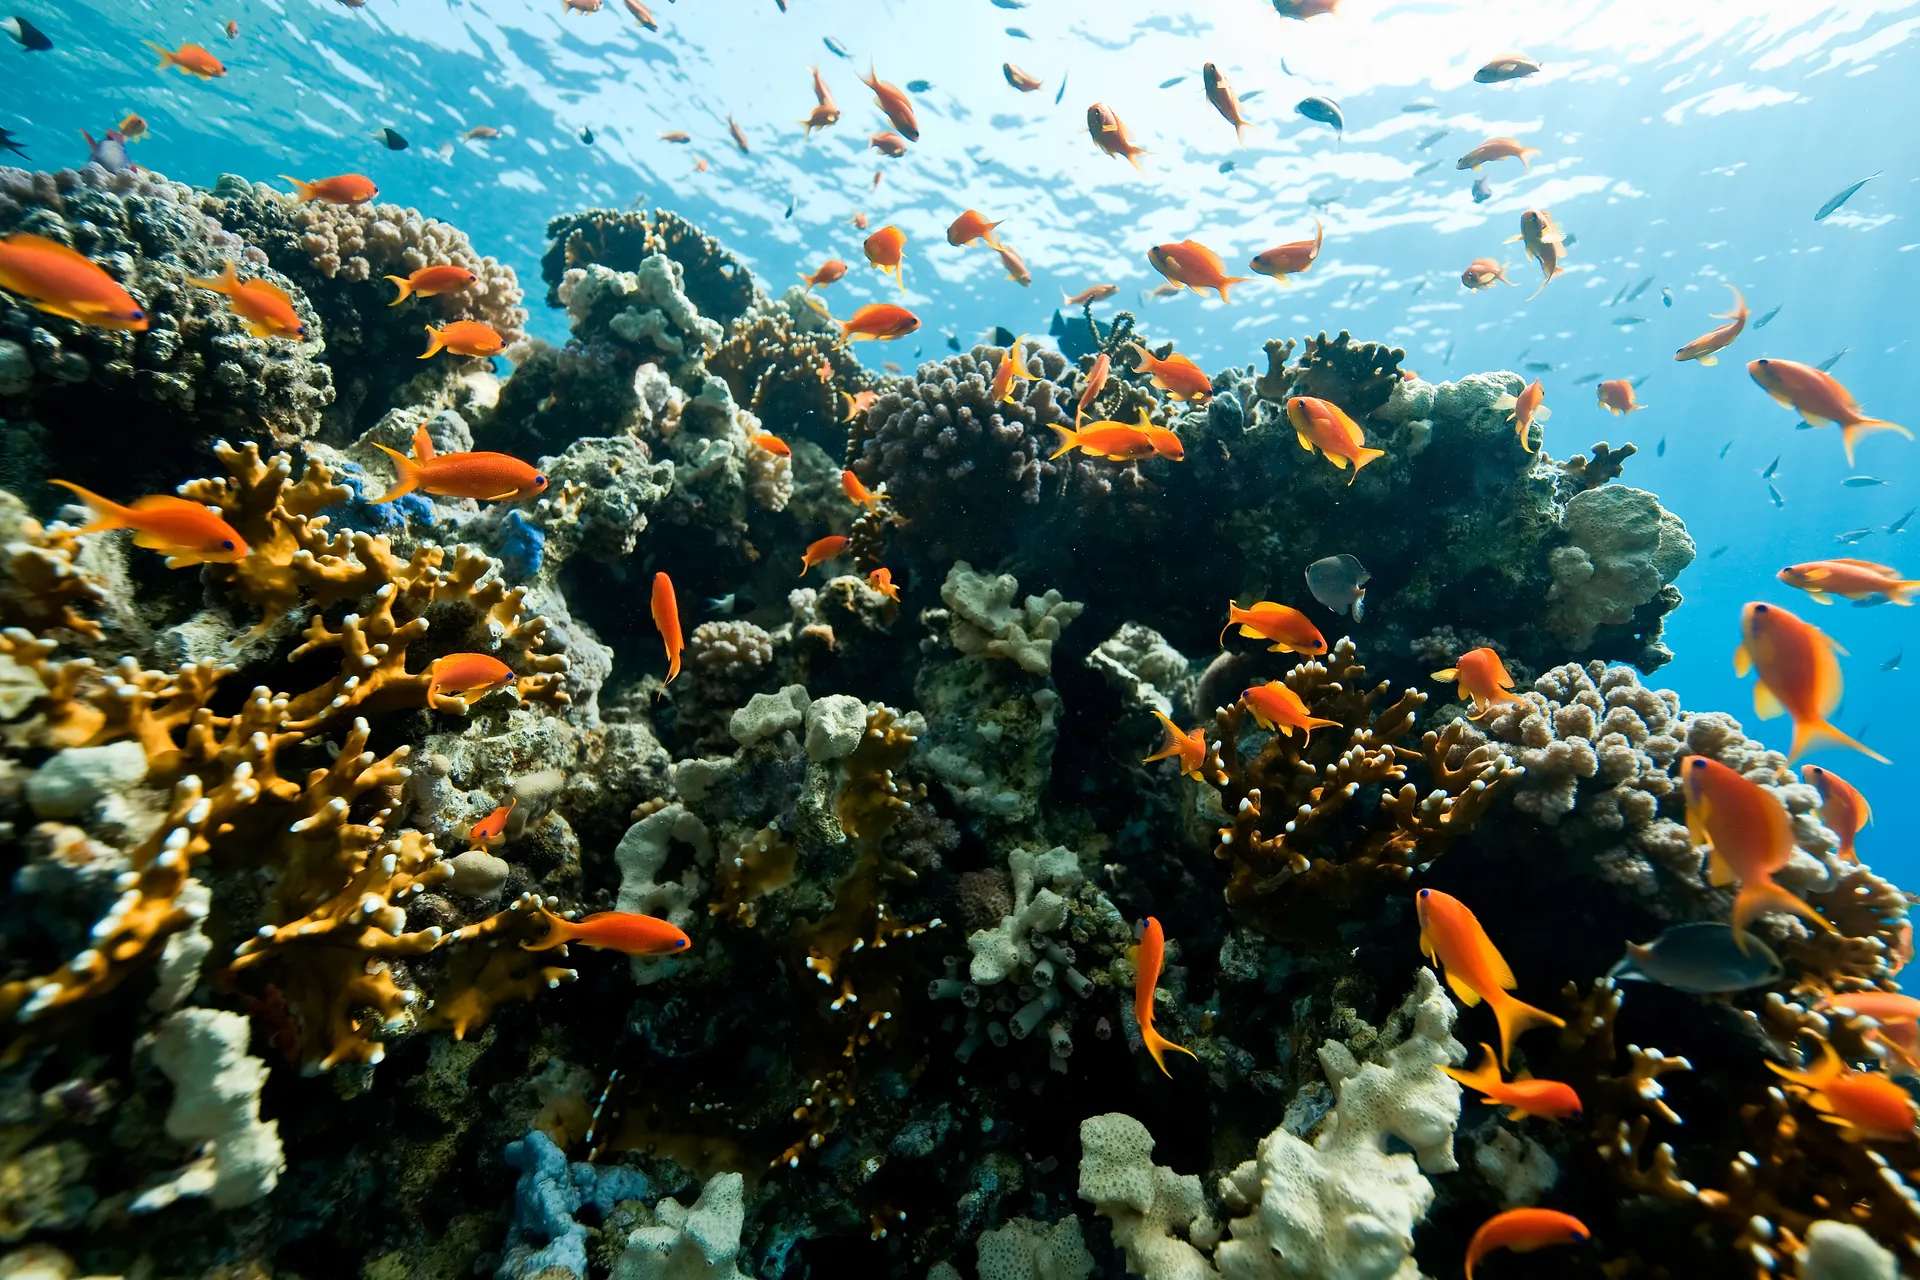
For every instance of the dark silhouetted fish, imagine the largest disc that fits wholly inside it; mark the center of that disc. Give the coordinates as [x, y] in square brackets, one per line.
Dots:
[1226, 166]
[1660, 450]
[835, 47]
[392, 140]
[1639, 288]
[1018, 34]
[1761, 323]
[11, 142]
[1666, 297]
[1168, 84]
[1771, 468]
[1901, 523]
[1717, 552]
[1430, 139]
[789, 206]
[1063, 91]
[1420, 104]
[1340, 583]
[1418, 285]
[1009, 4]
[1324, 110]
[1618, 296]
[1723, 449]
[1862, 482]
[919, 86]
[1482, 190]
[1832, 360]
[1539, 366]
[1586, 379]
[1893, 663]
[32, 37]
[1627, 322]
[1835, 203]
[1852, 535]
[1002, 337]
[1774, 493]
[586, 134]
[1702, 958]
[953, 342]
[1251, 94]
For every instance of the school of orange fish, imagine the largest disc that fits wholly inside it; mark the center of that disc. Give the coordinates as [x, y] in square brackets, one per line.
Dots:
[1744, 829]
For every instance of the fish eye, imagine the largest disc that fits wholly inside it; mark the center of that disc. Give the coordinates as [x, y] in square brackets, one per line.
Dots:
[1759, 608]
[539, 481]
[679, 942]
[138, 314]
[1425, 892]
[226, 544]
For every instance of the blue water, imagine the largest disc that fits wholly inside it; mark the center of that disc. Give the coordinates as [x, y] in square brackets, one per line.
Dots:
[1690, 143]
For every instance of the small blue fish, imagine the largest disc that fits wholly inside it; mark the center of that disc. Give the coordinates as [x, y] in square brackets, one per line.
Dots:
[1539, 366]
[1718, 551]
[835, 47]
[1324, 110]
[586, 134]
[1702, 958]
[1835, 203]
[1852, 536]
[1421, 104]
[1627, 322]
[919, 86]
[1168, 84]
[1063, 90]
[1660, 450]
[1482, 190]
[1774, 493]
[1009, 4]
[1251, 94]
[1724, 448]
[1901, 523]
[1428, 167]
[1666, 297]
[1639, 288]
[1430, 139]
[1018, 34]
[1771, 468]
[1833, 359]
[1586, 379]
[1862, 482]
[1893, 663]
[1761, 323]
[1226, 166]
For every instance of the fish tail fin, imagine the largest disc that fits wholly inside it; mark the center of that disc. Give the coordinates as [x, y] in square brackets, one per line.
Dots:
[406, 289]
[166, 55]
[559, 932]
[1515, 1017]
[1902, 592]
[1816, 1076]
[1850, 432]
[1173, 743]
[1483, 1078]
[107, 514]
[1157, 1044]
[1526, 156]
[222, 283]
[435, 344]
[1364, 456]
[1133, 158]
[1068, 438]
[1228, 281]
[302, 189]
[1760, 896]
[406, 475]
[1809, 734]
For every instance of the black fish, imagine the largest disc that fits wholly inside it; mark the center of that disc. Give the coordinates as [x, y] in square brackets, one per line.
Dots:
[1825, 209]
[392, 140]
[789, 206]
[586, 134]
[1717, 552]
[1723, 449]
[1002, 337]
[919, 86]
[1226, 166]
[1893, 663]
[1018, 34]
[1832, 360]
[1587, 378]
[1168, 84]
[1771, 468]
[11, 142]
[1063, 90]
[1703, 958]
[835, 47]
[953, 342]
[1901, 523]
[1482, 192]
[1660, 450]
[1324, 110]
[29, 36]
[1761, 323]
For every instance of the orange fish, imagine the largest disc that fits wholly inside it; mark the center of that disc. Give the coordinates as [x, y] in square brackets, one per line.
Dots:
[881, 580]
[642, 15]
[486, 133]
[491, 830]
[1545, 1099]
[1867, 1106]
[1011, 367]
[1166, 441]
[771, 443]
[232, 29]
[1167, 290]
[877, 175]
[1292, 258]
[1224, 100]
[700, 166]
[887, 249]
[1279, 709]
[1016, 265]
[1286, 629]
[265, 309]
[830, 271]
[881, 320]
[666, 618]
[342, 188]
[1146, 976]
[1705, 347]
[1897, 1014]
[193, 59]
[1178, 376]
[1526, 409]
[1523, 1231]
[188, 533]
[827, 111]
[63, 282]
[971, 226]
[1749, 835]
[1093, 385]
[1820, 399]
[1190, 749]
[1546, 244]
[1111, 136]
[1323, 423]
[466, 675]
[624, 931]
[1304, 9]
[1451, 936]
[1019, 79]
[739, 136]
[1853, 579]
[1482, 273]
[888, 143]
[822, 550]
[1483, 679]
[1615, 395]
[858, 493]
[896, 104]
[487, 477]
[1114, 441]
[676, 135]
[858, 403]
[1798, 675]
[463, 338]
[1498, 149]
[132, 127]
[1842, 808]
[1090, 294]
[859, 221]
[431, 282]
[1190, 263]
[581, 6]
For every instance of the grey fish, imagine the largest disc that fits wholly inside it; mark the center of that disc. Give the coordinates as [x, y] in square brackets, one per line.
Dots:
[835, 47]
[1660, 450]
[1430, 139]
[1063, 90]
[391, 139]
[1717, 552]
[1340, 583]
[29, 36]
[1774, 493]
[1893, 663]
[919, 86]
[1588, 378]
[1832, 360]
[1862, 482]
[1627, 322]
[1428, 167]
[1168, 84]
[1666, 297]
[1539, 366]
[1482, 190]
[1834, 204]
[1639, 288]
[1761, 323]
[1771, 468]
[722, 604]
[110, 152]
[1702, 958]
[1018, 34]
[1251, 94]
[1421, 104]
[1723, 450]
[1901, 523]
[1852, 535]
[1324, 110]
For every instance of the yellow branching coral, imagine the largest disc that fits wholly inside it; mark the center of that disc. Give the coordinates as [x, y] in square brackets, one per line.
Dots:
[41, 587]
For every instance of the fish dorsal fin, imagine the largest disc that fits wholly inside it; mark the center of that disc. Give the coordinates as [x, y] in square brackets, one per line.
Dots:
[1742, 660]
[1766, 704]
[268, 287]
[422, 444]
[164, 502]
[1870, 566]
[27, 240]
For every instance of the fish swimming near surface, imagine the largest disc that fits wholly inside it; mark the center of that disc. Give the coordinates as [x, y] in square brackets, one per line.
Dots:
[1826, 366]
[485, 477]
[1019, 79]
[1484, 273]
[264, 308]
[1901, 523]
[1819, 398]
[919, 86]
[1545, 243]
[1774, 494]
[1452, 937]
[1833, 205]
[1291, 258]
[1430, 139]
[1089, 295]
[1304, 9]
[835, 47]
[1340, 583]
[1057, 97]
[1147, 961]
[1771, 468]
[624, 931]
[666, 619]
[1420, 104]
[880, 320]
[1798, 676]
[187, 533]
[886, 249]
[1627, 322]
[1524, 410]
[1718, 551]
[1016, 265]
[1763, 321]
[1110, 134]
[1168, 84]
[1190, 263]
[1707, 346]
[1700, 958]
[61, 281]
[1221, 95]
[1660, 450]
[1018, 34]
[392, 140]
[1893, 663]
[1482, 189]
[1640, 288]
[894, 103]
[1852, 535]
[1850, 580]
[1523, 1231]
[1524, 1097]
[1615, 395]
[1498, 149]
[1724, 450]
[827, 273]
[1323, 110]
[1508, 66]
[1863, 482]
[1286, 629]
[1339, 438]
[193, 59]
[1178, 376]
[466, 675]
[586, 139]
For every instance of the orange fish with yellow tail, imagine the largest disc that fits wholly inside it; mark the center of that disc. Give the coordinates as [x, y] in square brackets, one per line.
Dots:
[1706, 347]
[1011, 366]
[830, 270]
[1114, 441]
[433, 282]
[971, 226]
[1015, 264]
[1192, 264]
[1523, 1096]
[342, 188]
[1146, 977]
[1278, 709]
[881, 320]
[466, 675]
[1224, 100]
[473, 338]
[666, 619]
[1286, 629]
[1189, 748]
[1545, 243]
[1749, 837]
[1898, 1015]
[1866, 1106]
[1498, 149]
[821, 550]
[1176, 375]
[187, 533]
[1615, 395]
[195, 60]
[1844, 810]
[894, 102]
[1323, 423]
[491, 831]
[826, 110]
[1452, 937]
[485, 477]
[265, 309]
[1292, 258]
[881, 580]
[1019, 79]
[1111, 136]
[1093, 385]
[624, 931]
[1799, 675]
[1523, 1231]
[1525, 409]
[1484, 273]
[1850, 579]
[887, 249]
[1819, 398]
[1483, 679]
[64, 282]
[771, 443]
[858, 493]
